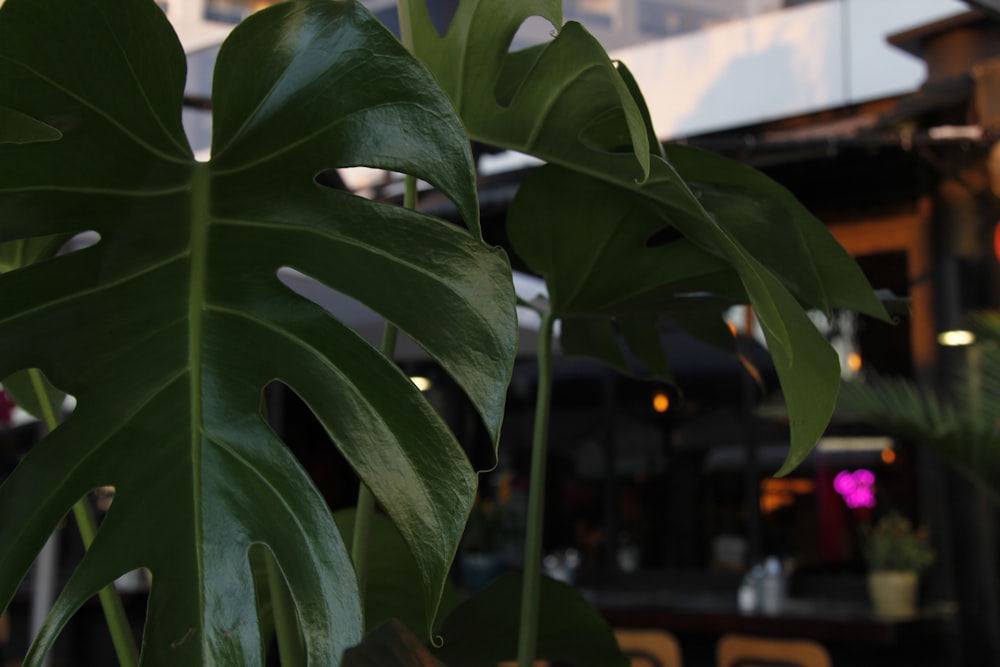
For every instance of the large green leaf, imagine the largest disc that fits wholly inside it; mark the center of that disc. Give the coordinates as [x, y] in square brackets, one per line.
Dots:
[394, 589]
[562, 101]
[777, 229]
[483, 630]
[757, 247]
[616, 272]
[391, 644]
[168, 329]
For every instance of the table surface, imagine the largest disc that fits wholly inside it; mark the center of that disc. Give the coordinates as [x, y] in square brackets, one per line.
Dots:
[715, 613]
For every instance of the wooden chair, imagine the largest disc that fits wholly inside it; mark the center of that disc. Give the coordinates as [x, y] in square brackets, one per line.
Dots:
[743, 651]
[649, 647]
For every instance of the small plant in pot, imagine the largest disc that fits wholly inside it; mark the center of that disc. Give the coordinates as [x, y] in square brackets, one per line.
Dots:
[896, 552]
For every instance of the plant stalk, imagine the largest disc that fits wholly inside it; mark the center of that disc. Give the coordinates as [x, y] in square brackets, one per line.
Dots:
[291, 649]
[111, 601]
[362, 537]
[527, 638]
[405, 27]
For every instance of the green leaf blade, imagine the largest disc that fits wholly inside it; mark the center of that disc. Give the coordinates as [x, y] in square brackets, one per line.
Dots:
[169, 328]
[771, 224]
[295, 89]
[571, 630]
[395, 590]
[594, 250]
[753, 241]
[556, 97]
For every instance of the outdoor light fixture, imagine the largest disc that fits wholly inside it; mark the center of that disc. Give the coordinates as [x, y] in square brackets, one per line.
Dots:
[956, 338]
[661, 402]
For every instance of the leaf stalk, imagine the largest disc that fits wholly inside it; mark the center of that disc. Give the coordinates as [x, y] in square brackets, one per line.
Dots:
[291, 647]
[527, 641]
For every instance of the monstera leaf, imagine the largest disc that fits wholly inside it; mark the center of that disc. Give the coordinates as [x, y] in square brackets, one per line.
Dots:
[572, 631]
[394, 590]
[613, 224]
[562, 101]
[391, 644]
[169, 327]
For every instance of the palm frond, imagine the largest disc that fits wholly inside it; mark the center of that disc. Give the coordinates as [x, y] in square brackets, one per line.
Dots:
[961, 422]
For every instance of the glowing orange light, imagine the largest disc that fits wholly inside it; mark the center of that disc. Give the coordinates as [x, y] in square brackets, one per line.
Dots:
[661, 402]
[770, 502]
[888, 456]
[854, 361]
[776, 493]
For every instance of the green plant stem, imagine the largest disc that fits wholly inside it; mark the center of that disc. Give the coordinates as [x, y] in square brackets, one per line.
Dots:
[111, 601]
[527, 639]
[405, 27]
[362, 537]
[291, 647]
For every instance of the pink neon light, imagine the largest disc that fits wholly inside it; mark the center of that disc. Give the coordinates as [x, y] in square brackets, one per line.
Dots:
[857, 488]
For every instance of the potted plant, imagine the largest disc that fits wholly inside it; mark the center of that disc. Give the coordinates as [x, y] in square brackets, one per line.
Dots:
[896, 553]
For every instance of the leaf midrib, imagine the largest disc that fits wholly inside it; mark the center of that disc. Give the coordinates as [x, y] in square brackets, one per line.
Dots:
[200, 212]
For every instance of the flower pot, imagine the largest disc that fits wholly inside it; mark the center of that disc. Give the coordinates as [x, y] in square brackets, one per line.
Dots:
[893, 593]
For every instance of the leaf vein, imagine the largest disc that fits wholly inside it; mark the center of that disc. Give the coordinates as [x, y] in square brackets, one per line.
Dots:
[95, 289]
[97, 110]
